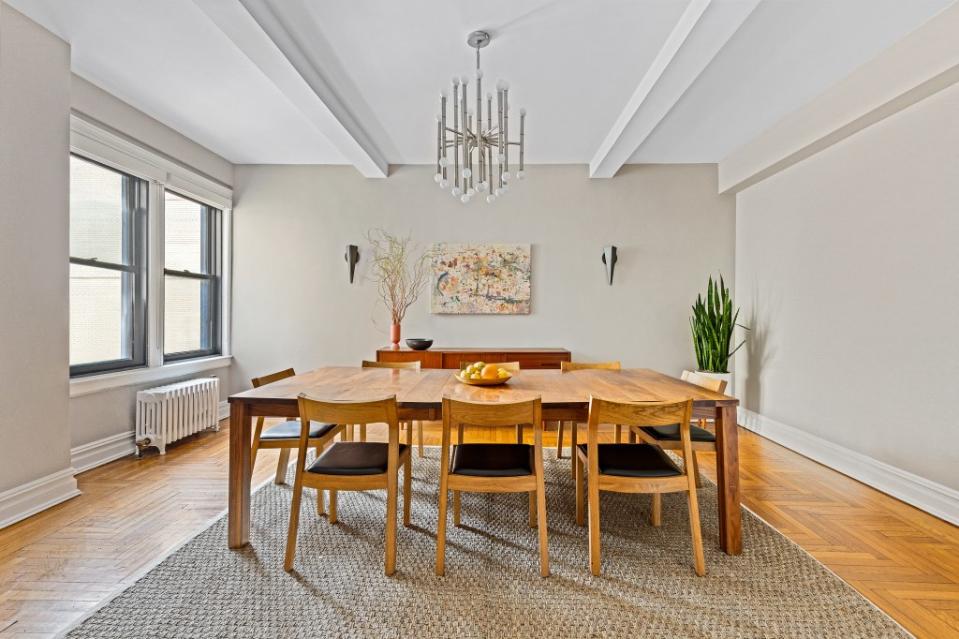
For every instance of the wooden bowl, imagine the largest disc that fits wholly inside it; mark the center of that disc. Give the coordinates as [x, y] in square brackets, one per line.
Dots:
[482, 382]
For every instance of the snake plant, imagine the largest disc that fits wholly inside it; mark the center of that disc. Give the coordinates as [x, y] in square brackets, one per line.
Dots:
[712, 323]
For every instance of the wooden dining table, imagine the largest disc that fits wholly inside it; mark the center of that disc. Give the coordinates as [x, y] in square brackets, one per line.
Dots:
[419, 394]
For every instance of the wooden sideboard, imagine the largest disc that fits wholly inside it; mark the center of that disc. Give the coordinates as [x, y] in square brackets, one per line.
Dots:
[450, 357]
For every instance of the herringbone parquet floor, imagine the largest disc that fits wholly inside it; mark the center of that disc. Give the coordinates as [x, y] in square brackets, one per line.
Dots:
[59, 564]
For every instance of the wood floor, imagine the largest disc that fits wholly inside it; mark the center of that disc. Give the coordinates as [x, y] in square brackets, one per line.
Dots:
[60, 564]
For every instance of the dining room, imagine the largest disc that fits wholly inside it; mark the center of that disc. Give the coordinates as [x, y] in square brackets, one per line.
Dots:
[599, 318]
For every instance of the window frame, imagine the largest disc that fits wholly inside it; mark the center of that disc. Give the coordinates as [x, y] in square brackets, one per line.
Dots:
[136, 200]
[212, 258]
[93, 142]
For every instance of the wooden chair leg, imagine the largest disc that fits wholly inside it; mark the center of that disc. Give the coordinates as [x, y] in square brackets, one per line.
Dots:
[619, 433]
[440, 567]
[362, 432]
[408, 477]
[656, 514]
[559, 439]
[532, 509]
[392, 482]
[332, 512]
[541, 524]
[282, 465]
[632, 436]
[459, 434]
[698, 559]
[456, 508]
[578, 482]
[696, 473]
[419, 436]
[593, 506]
[573, 432]
[519, 434]
[320, 501]
[294, 526]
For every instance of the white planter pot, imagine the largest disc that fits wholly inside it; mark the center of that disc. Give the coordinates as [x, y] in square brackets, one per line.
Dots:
[728, 377]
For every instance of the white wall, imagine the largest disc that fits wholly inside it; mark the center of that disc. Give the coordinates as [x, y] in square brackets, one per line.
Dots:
[294, 305]
[34, 216]
[848, 270]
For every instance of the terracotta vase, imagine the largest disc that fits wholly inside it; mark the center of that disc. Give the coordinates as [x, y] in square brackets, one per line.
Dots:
[395, 335]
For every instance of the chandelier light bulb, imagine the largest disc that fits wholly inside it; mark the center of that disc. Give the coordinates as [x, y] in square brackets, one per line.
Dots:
[438, 178]
[489, 96]
[444, 162]
[490, 198]
[444, 184]
[456, 81]
[501, 158]
[504, 189]
[465, 199]
[506, 176]
[521, 175]
[522, 111]
[467, 172]
[482, 186]
[457, 191]
[498, 192]
[471, 191]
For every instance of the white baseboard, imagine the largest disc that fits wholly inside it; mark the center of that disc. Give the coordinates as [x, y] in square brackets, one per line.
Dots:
[224, 410]
[30, 498]
[936, 499]
[102, 451]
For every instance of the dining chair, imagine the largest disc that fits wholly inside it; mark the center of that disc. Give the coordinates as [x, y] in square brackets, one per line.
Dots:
[567, 367]
[635, 468]
[286, 435]
[667, 437]
[415, 366]
[492, 468]
[350, 465]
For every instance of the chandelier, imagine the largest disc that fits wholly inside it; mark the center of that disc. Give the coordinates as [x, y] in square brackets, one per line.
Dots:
[466, 151]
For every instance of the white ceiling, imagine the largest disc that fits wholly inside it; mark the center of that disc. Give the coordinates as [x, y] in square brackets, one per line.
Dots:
[310, 81]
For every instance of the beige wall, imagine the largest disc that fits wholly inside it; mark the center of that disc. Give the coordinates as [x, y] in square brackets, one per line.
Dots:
[294, 305]
[34, 135]
[848, 270]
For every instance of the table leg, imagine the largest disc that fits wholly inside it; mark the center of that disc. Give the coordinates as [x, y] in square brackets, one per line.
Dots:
[239, 492]
[727, 475]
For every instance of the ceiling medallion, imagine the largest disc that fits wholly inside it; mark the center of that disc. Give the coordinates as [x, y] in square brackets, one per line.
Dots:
[475, 147]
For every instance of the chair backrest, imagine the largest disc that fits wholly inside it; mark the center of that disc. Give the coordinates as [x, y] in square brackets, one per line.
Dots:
[604, 411]
[581, 366]
[457, 412]
[414, 365]
[704, 381]
[509, 366]
[377, 411]
[272, 377]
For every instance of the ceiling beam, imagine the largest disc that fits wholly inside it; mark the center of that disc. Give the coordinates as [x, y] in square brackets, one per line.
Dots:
[255, 30]
[701, 32]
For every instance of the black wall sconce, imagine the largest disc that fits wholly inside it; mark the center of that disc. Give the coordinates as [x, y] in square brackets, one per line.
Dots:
[352, 256]
[609, 259]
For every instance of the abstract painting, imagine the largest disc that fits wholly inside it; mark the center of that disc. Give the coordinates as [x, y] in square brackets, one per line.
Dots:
[480, 279]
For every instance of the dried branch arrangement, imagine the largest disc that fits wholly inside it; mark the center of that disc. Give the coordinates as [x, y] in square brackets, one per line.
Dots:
[399, 272]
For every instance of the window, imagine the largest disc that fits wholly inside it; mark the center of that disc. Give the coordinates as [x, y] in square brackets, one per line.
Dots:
[149, 264]
[108, 217]
[191, 305]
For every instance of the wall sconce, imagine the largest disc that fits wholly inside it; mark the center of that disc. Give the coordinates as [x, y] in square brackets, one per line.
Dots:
[609, 259]
[352, 256]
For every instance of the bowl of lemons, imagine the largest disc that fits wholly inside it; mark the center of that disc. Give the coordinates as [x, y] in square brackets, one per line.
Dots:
[483, 374]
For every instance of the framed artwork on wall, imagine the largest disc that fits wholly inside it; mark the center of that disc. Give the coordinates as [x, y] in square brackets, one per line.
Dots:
[480, 279]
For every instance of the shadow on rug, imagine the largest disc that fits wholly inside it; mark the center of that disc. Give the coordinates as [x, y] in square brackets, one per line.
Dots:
[492, 587]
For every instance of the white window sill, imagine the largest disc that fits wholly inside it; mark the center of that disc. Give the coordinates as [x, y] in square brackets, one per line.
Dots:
[80, 386]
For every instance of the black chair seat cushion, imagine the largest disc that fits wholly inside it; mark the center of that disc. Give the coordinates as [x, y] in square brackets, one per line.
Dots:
[291, 430]
[353, 458]
[492, 460]
[634, 460]
[671, 433]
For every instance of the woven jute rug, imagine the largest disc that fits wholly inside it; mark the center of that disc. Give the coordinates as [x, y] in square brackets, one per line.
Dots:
[492, 586]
